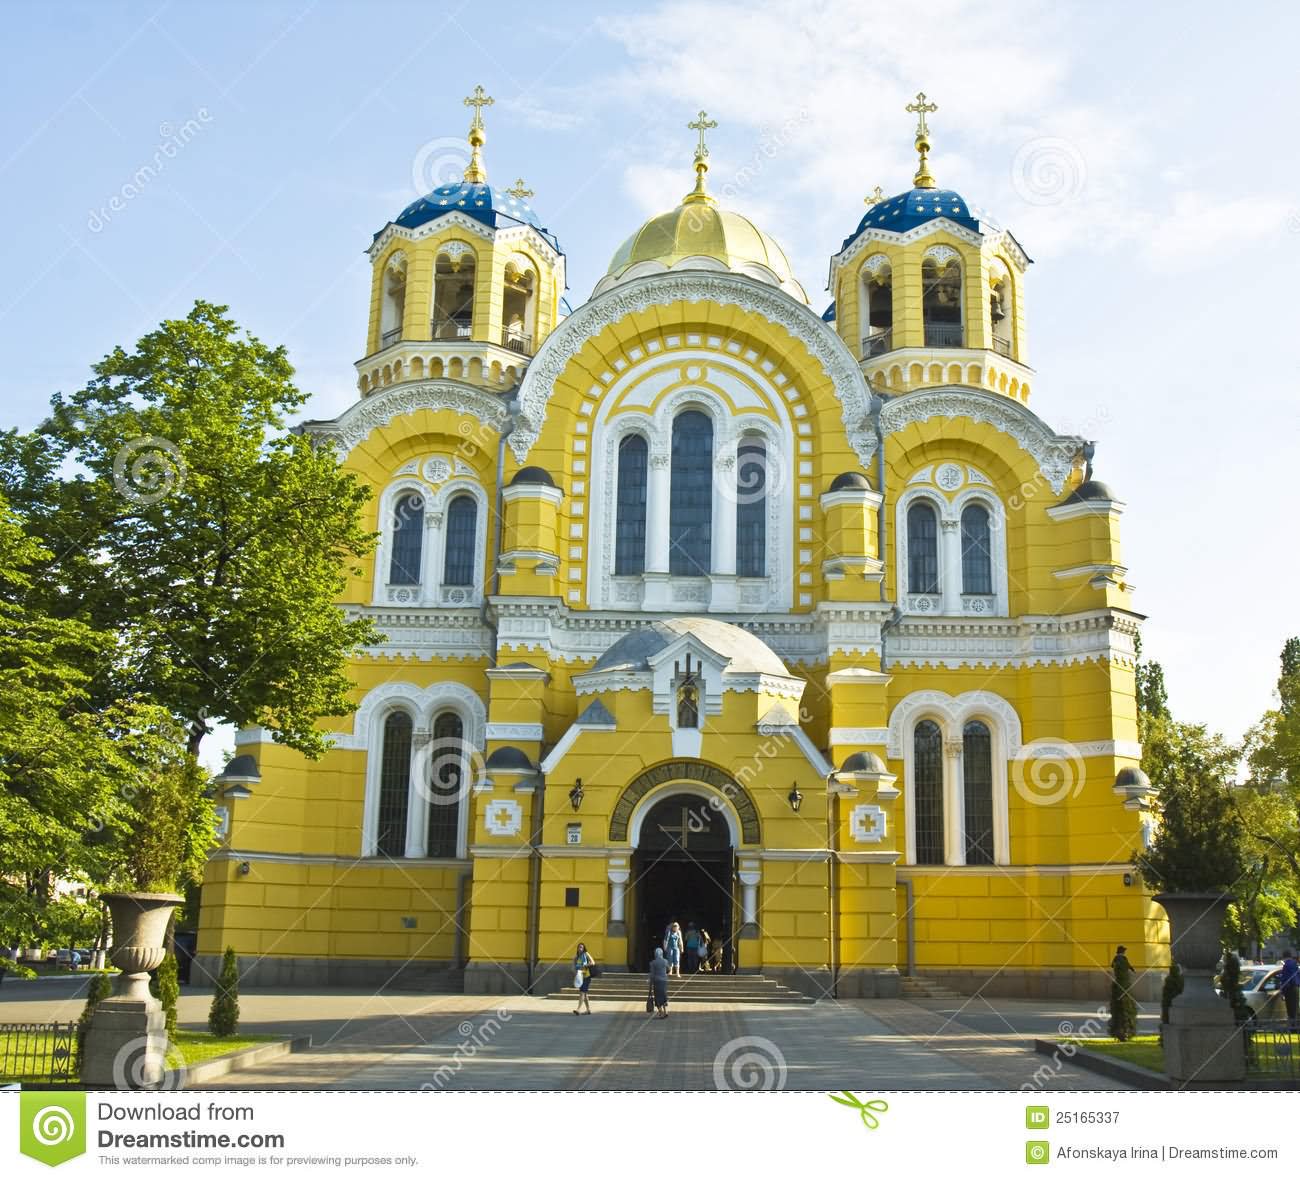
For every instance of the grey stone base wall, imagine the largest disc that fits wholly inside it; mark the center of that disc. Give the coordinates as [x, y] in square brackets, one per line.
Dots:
[867, 983]
[496, 979]
[811, 981]
[292, 971]
[1063, 984]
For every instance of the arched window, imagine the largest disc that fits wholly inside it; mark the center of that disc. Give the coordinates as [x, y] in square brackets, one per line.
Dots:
[1000, 311]
[629, 540]
[941, 302]
[690, 510]
[408, 540]
[976, 551]
[453, 294]
[927, 792]
[462, 525]
[394, 785]
[751, 508]
[394, 302]
[446, 780]
[518, 298]
[878, 337]
[977, 791]
[922, 549]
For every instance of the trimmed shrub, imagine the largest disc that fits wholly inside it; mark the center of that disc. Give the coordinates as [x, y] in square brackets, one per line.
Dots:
[223, 1016]
[1123, 1007]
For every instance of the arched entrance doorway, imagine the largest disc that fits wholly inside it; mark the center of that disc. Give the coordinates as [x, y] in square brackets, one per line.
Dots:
[683, 867]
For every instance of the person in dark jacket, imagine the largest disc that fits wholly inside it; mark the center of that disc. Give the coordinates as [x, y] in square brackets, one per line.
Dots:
[659, 983]
[1289, 985]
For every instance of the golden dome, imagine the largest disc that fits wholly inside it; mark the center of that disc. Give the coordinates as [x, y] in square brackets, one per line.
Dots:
[698, 235]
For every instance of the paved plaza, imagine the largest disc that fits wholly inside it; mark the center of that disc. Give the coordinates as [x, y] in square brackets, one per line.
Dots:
[405, 1040]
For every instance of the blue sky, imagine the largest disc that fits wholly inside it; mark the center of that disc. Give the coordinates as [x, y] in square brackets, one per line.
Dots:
[1141, 154]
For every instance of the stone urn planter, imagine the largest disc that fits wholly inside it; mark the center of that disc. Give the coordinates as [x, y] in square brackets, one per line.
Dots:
[127, 1041]
[1202, 1043]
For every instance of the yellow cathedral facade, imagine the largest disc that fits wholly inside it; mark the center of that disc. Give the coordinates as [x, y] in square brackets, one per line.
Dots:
[701, 605]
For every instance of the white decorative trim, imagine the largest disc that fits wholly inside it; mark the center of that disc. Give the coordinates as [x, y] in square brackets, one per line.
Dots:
[952, 598]
[533, 491]
[888, 857]
[506, 731]
[750, 295]
[502, 817]
[867, 823]
[454, 217]
[1086, 508]
[379, 409]
[849, 735]
[715, 800]
[1076, 870]
[956, 711]
[1055, 454]
[941, 252]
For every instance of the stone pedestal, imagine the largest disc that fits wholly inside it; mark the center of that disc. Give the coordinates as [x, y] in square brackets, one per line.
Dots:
[126, 1044]
[1204, 1054]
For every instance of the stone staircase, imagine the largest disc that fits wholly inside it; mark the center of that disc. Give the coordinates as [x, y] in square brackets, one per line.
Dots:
[703, 988]
[917, 987]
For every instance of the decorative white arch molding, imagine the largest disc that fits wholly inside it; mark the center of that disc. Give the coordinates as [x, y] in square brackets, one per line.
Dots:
[951, 714]
[777, 308]
[354, 425]
[422, 705]
[731, 426]
[1054, 453]
[712, 799]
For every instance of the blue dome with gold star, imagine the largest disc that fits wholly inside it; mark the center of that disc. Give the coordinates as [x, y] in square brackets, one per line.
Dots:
[494, 207]
[916, 207]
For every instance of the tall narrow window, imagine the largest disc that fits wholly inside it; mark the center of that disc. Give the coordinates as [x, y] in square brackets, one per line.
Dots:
[751, 508]
[629, 540]
[446, 780]
[408, 540]
[462, 524]
[922, 549]
[927, 792]
[976, 553]
[690, 509]
[941, 302]
[977, 789]
[394, 785]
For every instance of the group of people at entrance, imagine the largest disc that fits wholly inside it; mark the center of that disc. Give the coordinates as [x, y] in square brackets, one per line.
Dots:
[694, 950]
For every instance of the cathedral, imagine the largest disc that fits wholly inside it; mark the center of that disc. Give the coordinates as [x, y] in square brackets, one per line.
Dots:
[701, 604]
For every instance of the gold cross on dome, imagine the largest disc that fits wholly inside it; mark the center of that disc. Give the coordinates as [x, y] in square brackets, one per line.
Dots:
[702, 124]
[520, 190]
[478, 100]
[877, 195]
[920, 108]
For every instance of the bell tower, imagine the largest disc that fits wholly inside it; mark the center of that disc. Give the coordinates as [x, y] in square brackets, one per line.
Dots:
[928, 291]
[467, 281]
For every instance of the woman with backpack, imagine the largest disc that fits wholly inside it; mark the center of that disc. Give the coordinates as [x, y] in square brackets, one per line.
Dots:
[673, 947]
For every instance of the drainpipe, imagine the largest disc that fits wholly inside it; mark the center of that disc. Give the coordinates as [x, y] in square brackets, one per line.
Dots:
[910, 904]
[832, 879]
[535, 879]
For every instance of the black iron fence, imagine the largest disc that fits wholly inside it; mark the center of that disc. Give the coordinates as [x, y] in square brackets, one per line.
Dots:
[38, 1052]
[1272, 1049]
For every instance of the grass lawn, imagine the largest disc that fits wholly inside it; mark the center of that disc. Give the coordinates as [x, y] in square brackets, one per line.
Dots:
[20, 1052]
[1143, 1051]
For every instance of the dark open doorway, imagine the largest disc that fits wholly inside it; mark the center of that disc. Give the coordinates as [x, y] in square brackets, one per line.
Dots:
[683, 868]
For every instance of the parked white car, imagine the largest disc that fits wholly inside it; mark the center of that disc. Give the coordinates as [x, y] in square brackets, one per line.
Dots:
[1259, 987]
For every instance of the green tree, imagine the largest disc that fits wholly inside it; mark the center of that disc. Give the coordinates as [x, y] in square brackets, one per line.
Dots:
[223, 1016]
[166, 988]
[229, 537]
[1123, 1007]
[1172, 989]
[100, 988]
[1199, 841]
[1232, 992]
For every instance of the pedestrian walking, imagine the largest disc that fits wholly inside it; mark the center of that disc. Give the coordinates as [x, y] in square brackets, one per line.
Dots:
[692, 949]
[673, 947]
[704, 950]
[659, 984]
[1289, 985]
[582, 968]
